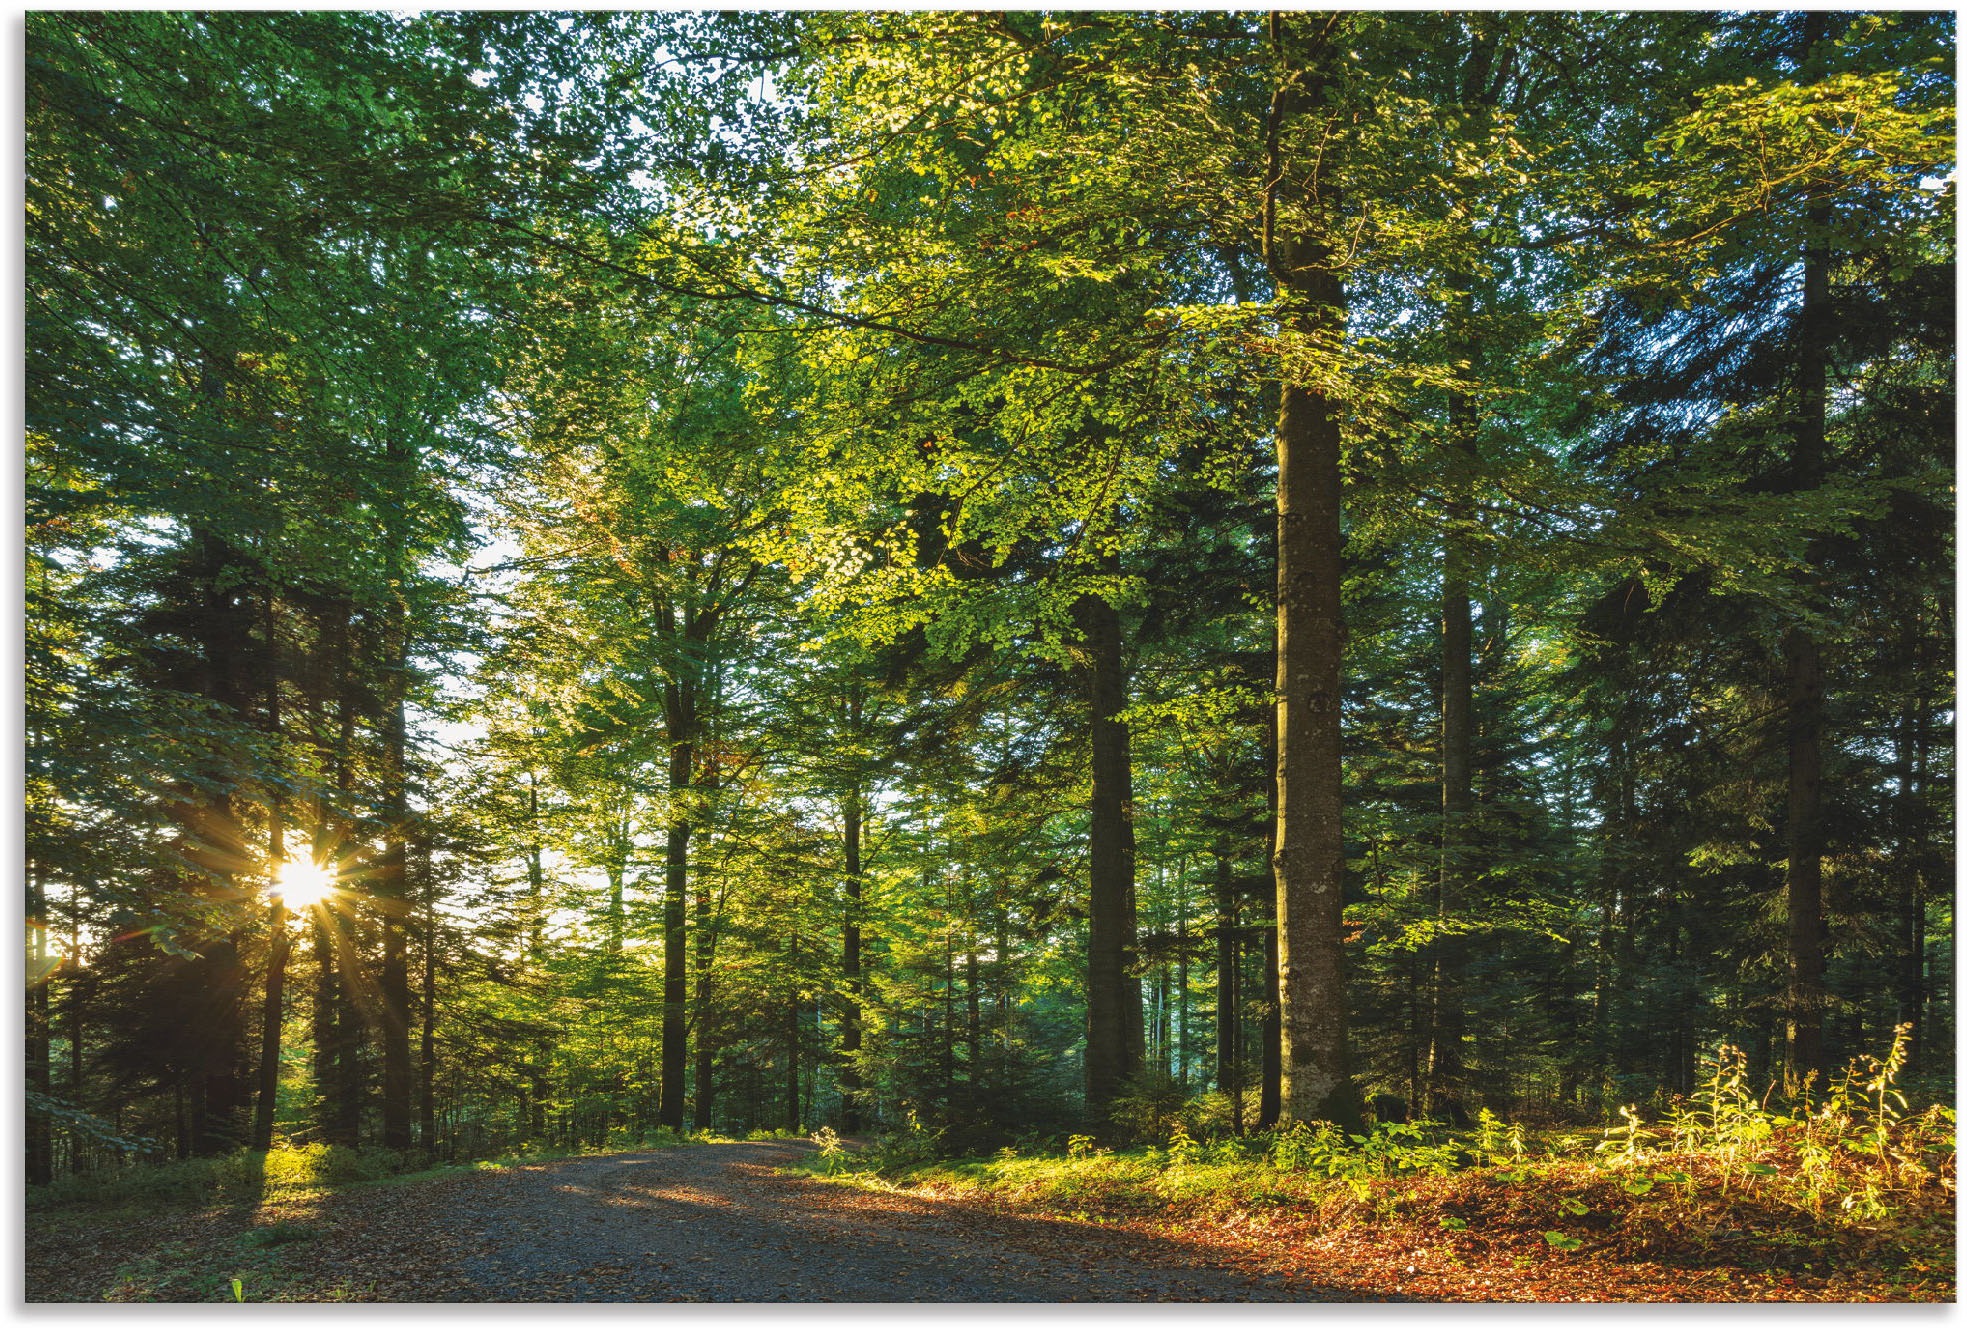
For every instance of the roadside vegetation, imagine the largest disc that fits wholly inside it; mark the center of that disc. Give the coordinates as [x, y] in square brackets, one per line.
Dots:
[1849, 1192]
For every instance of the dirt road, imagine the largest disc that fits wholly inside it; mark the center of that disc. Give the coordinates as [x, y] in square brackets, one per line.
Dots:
[707, 1222]
[716, 1223]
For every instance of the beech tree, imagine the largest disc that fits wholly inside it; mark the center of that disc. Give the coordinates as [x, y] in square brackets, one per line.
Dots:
[1005, 573]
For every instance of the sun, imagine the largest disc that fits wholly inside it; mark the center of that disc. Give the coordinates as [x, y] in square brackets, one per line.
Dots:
[303, 883]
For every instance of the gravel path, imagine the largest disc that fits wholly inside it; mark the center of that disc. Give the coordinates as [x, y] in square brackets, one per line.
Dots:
[715, 1223]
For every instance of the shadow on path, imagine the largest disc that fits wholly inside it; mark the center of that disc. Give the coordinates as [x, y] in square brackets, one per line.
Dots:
[715, 1223]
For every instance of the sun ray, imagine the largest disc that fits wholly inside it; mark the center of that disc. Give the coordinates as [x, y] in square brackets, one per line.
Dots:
[304, 883]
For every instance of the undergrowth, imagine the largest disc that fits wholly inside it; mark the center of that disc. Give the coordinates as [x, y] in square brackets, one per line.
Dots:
[1850, 1176]
[286, 1172]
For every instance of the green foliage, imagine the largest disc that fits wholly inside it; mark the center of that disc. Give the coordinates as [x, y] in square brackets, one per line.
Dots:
[94, 1129]
[581, 471]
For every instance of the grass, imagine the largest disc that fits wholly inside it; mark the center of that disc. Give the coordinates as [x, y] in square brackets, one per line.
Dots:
[1850, 1184]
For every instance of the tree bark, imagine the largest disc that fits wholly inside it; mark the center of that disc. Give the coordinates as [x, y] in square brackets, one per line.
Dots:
[1310, 857]
[792, 1038]
[427, 1057]
[850, 944]
[680, 718]
[392, 877]
[1804, 893]
[1910, 994]
[1444, 1059]
[40, 1131]
[1115, 1034]
[1803, 683]
[273, 1009]
[216, 843]
[1229, 1030]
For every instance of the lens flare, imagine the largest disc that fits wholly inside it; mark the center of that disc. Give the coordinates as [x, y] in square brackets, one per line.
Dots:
[304, 883]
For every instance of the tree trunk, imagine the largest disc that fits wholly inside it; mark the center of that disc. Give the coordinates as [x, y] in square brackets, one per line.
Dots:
[973, 1033]
[40, 1127]
[792, 1039]
[1270, 1093]
[1804, 893]
[1310, 861]
[1910, 993]
[1181, 976]
[271, 1017]
[392, 878]
[1444, 1059]
[705, 1088]
[427, 1058]
[1446, 1087]
[273, 1010]
[1115, 1034]
[703, 1097]
[214, 840]
[351, 1030]
[325, 998]
[1803, 684]
[679, 715]
[1229, 1024]
[76, 1059]
[850, 947]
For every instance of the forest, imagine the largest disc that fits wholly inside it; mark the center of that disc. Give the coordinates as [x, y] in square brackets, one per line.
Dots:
[980, 579]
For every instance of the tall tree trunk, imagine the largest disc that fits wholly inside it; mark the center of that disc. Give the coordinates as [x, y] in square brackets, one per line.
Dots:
[973, 1033]
[1444, 1059]
[271, 1017]
[705, 1094]
[76, 1059]
[1803, 684]
[325, 1001]
[40, 1126]
[680, 718]
[1910, 987]
[1229, 1022]
[1270, 1092]
[1445, 1077]
[850, 943]
[351, 1031]
[703, 1097]
[220, 1097]
[331, 1060]
[273, 1009]
[535, 875]
[392, 878]
[1310, 862]
[1115, 1034]
[1804, 877]
[1181, 976]
[792, 1039]
[427, 1059]
[213, 840]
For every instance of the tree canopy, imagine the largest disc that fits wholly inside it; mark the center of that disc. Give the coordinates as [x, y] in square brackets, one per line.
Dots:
[1005, 572]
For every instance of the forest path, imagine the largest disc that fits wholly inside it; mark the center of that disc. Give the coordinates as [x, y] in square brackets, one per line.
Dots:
[716, 1222]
